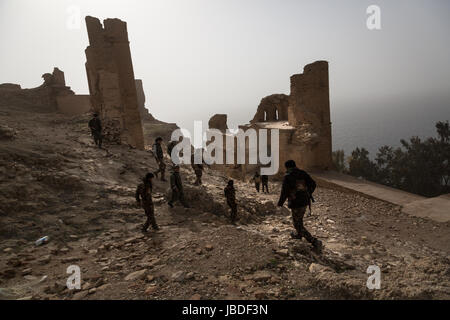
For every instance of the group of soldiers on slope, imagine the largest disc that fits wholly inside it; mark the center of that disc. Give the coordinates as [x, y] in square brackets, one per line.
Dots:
[297, 188]
[258, 179]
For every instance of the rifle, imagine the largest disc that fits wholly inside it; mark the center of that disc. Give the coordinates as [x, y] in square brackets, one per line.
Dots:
[310, 199]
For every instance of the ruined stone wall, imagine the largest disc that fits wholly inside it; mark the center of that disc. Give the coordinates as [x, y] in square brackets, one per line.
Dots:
[272, 108]
[58, 78]
[74, 104]
[111, 81]
[10, 86]
[309, 111]
[286, 150]
[306, 136]
[145, 115]
[44, 96]
[303, 121]
[218, 121]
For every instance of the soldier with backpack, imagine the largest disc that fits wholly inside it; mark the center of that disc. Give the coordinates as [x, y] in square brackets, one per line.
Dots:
[96, 130]
[257, 180]
[198, 170]
[176, 186]
[230, 195]
[265, 183]
[144, 199]
[159, 157]
[297, 188]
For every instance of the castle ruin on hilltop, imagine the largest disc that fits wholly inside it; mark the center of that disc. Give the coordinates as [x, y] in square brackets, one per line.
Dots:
[302, 118]
[52, 95]
[112, 85]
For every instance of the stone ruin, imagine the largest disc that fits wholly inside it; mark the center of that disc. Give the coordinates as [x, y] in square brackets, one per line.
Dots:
[272, 108]
[143, 111]
[219, 122]
[115, 94]
[53, 95]
[111, 81]
[303, 120]
[309, 114]
[302, 117]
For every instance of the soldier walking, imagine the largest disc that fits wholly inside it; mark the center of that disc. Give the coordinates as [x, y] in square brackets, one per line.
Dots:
[298, 187]
[144, 199]
[96, 130]
[257, 180]
[230, 194]
[159, 157]
[265, 183]
[170, 147]
[176, 187]
[198, 170]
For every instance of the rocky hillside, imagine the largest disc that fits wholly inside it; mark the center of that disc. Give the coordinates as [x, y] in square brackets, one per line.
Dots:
[55, 182]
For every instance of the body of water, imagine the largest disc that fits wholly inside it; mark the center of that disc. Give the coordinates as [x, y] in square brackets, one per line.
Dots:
[373, 128]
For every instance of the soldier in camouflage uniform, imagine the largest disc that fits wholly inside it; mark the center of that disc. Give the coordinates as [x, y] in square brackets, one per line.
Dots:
[176, 187]
[257, 180]
[159, 157]
[96, 130]
[230, 194]
[265, 183]
[198, 170]
[144, 199]
[170, 147]
[298, 187]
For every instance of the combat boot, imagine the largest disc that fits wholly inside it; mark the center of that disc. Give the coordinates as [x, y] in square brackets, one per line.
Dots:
[296, 235]
[317, 246]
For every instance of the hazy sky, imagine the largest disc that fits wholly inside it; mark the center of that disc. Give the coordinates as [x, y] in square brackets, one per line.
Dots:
[201, 57]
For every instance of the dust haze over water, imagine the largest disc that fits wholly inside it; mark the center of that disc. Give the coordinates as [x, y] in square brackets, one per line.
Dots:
[386, 124]
[197, 58]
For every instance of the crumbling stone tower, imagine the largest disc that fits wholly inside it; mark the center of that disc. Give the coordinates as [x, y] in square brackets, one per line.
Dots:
[302, 118]
[309, 112]
[111, 80]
